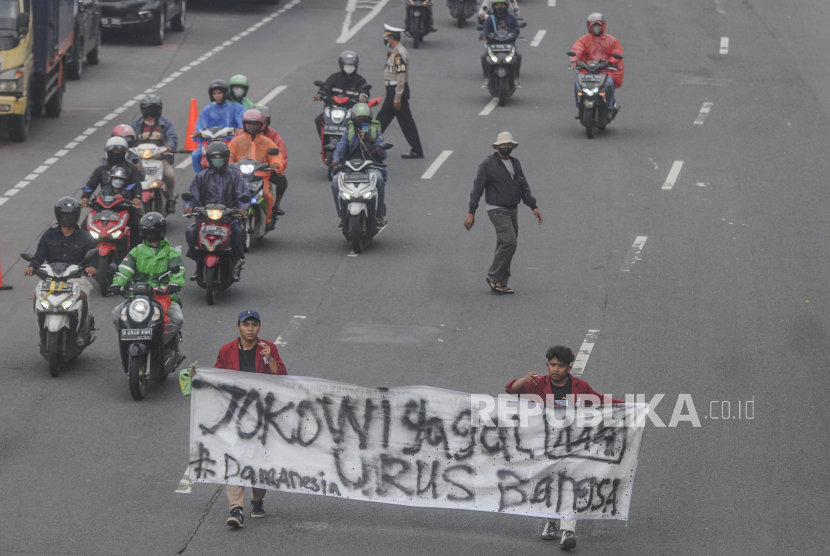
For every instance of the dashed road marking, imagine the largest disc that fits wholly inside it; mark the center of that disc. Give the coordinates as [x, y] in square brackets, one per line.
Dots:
[270, 96]
[584, 352]
[435, 165]
[348, 31]
[183, 163]
[552, 3]
[289, 330]
[186, 483]
[634, 253]
[489, 108]
[673, 173]
[704, 111]
[724, 45]
[540, 34]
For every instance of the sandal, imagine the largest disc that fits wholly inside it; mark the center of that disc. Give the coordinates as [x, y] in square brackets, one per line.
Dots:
[497, 288]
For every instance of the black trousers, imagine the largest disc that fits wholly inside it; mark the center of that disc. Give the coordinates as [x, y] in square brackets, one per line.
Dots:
[404, 115]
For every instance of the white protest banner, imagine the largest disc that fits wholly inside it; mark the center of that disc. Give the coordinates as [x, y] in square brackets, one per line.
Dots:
[415, 446]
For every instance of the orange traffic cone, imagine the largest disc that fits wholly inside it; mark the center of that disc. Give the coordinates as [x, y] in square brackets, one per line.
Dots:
[2, 287]
[189, 143]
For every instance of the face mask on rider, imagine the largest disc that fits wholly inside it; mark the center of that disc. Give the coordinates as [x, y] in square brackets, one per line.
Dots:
[505, 150]
[217, 162]
[596, 29]
[239, 92]
[349, 68]
[117, 183]
[115, 157]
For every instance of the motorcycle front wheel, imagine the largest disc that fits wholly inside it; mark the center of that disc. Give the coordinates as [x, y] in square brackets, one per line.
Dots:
[210, 285]
[502, 88]
[354, 233]
[103, 276]
[416, 32]
[137, 372]
[55, 360]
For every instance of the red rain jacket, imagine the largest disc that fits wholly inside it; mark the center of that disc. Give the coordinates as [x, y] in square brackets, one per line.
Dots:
[542, 388]
[590, 47]
[229, 358]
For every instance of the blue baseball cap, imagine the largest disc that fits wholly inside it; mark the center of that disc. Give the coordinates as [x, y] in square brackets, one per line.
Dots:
[248, 314]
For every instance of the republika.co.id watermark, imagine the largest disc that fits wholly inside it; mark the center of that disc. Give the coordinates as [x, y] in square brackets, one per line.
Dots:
[591, 411]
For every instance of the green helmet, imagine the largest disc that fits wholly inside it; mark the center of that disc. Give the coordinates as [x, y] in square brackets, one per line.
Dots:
[240, 79]
[236, 83]
[501, 5]
[362, 110]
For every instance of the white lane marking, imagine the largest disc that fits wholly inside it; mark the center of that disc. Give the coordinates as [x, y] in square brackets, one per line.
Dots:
[352, 254]
[719, 8]
[31, 177]
[50, 161]
[61, 153]
[72, 144]
[704, 111]
[552, 3]
[347, 32]
[435, 165]
[584, 352]
[21, 184]
[673, 173]
[119, 110]
[540, 34]
[131, 103]
[89, 131]
[234, 39]
[227, 43]
[290, 329]
[489, 108]
[724, 45]
[40, 169]
[138, 97]
[634, 253]
[270, 96]
[183, 163]
[11, 192]
[99, 123]
[186, 483]
[3, 200]
[186, 68]
[109, 117]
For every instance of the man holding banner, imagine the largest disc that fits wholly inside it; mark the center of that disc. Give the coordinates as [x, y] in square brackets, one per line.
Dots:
[248, 354]
[560, 385]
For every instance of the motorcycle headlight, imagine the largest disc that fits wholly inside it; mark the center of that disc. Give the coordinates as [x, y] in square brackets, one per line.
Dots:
[595, 90]
[94, 234]
[68, 303]
[588, 92]
[154, 185]
[116, 234]
[214, 214]
[365, 193]
[139, 309]
[247, 168]
[493, 58]
[45, 303]
[508, 58]
[337, 115]
[146, 153]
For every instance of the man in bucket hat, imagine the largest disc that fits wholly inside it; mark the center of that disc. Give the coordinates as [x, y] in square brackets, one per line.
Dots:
[503, 183]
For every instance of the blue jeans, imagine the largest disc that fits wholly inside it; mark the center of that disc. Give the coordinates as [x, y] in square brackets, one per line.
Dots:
[381, 183]
[610, 93]
[196, 158]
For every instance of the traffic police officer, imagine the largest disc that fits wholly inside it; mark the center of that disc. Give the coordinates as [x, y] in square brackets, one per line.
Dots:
[396, 101]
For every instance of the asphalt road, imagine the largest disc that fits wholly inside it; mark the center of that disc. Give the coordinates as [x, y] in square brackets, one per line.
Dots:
[725, 301]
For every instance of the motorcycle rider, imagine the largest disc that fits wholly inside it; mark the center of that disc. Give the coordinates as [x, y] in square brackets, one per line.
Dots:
[239, 91]
[362, 140]
[219, 184]
[487, 6]
[128, 134]
[599, 45]
[66, 242]
[218, 114]
[154, 128]
[254, 145]
[278, 179]
[145, 263]
[346, 82]
[500, 19]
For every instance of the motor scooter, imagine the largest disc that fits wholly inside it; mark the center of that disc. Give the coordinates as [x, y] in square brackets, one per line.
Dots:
[592, 93]
[108, 223]
[336, 115]
[211, 134]
[501, 64]
[257, 213]
[59, 308]
[418, 12]
[153, 189]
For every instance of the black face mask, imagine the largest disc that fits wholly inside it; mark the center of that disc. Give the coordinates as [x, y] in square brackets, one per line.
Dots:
[115, 158]
[505, 151]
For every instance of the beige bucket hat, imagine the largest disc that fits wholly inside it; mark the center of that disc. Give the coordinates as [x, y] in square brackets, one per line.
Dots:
[504, 138]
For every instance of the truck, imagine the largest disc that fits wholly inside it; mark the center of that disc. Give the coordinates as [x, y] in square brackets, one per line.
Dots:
[36, 38]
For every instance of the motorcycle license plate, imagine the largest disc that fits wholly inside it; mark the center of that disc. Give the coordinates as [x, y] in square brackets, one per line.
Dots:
[356, 177]
[214, 230]
[589, 78]
[150, 170]
[137, 334]
[501, 48]
[106, 217]
[334, 129]
[111, 22]
[55, 287]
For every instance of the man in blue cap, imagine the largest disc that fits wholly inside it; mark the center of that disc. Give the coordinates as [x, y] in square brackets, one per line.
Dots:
[249, 354]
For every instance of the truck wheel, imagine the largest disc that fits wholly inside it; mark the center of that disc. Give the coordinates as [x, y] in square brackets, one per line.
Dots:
[19, 125]
[75, 65]
[55, 104]
[157, 38]
[92, 57]
[177, 23]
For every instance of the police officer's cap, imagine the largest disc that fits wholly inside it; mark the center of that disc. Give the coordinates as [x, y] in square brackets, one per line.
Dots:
[394, 32]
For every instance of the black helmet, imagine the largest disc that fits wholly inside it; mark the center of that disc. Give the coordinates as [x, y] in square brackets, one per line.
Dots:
[348, 58]
[153, 227]
[218, 150]
[218, 84]
[68, 206]
[118, 177]
[151, 106]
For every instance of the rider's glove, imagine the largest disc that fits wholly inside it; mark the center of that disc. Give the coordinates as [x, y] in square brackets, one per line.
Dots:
[115, 289]
[173, 288]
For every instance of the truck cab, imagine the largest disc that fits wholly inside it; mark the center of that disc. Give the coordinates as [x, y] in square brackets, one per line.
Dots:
[16, 61]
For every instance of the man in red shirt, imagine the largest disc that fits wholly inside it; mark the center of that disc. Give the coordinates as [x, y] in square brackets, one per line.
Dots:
[249, 354]
[559, 383]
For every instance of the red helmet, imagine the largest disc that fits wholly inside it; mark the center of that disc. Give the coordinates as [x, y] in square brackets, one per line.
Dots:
[125, 131]
[253, 115]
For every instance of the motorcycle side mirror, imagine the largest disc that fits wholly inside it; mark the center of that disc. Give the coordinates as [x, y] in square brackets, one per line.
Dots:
[244, 198]
[366, 87]
[273, 151]
[523, 24]
[570, 53]
[90, 254]
[113, 268]
[27, 257]
[387, 146]
[319, 83]
[617, 56]
[187, 196]
[329, 148]
[173, 269]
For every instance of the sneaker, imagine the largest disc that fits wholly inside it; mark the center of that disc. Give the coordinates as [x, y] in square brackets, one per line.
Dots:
[236, 519]
[194, 277]
[517, 84]
[550, 531]
[271, 226]
[257, 508]
[340, 226]
[381, 222]
[568, 540]
[486, 83]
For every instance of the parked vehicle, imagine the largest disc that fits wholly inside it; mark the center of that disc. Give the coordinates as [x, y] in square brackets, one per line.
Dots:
[462, 10]
[59, 310]
[36, 39]
[592, 94]
[148, 18]
[418, 12]
[501, 64]
[214, 263]
[87, 44]
[153, 188]
[144, 355]
[108, 223]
